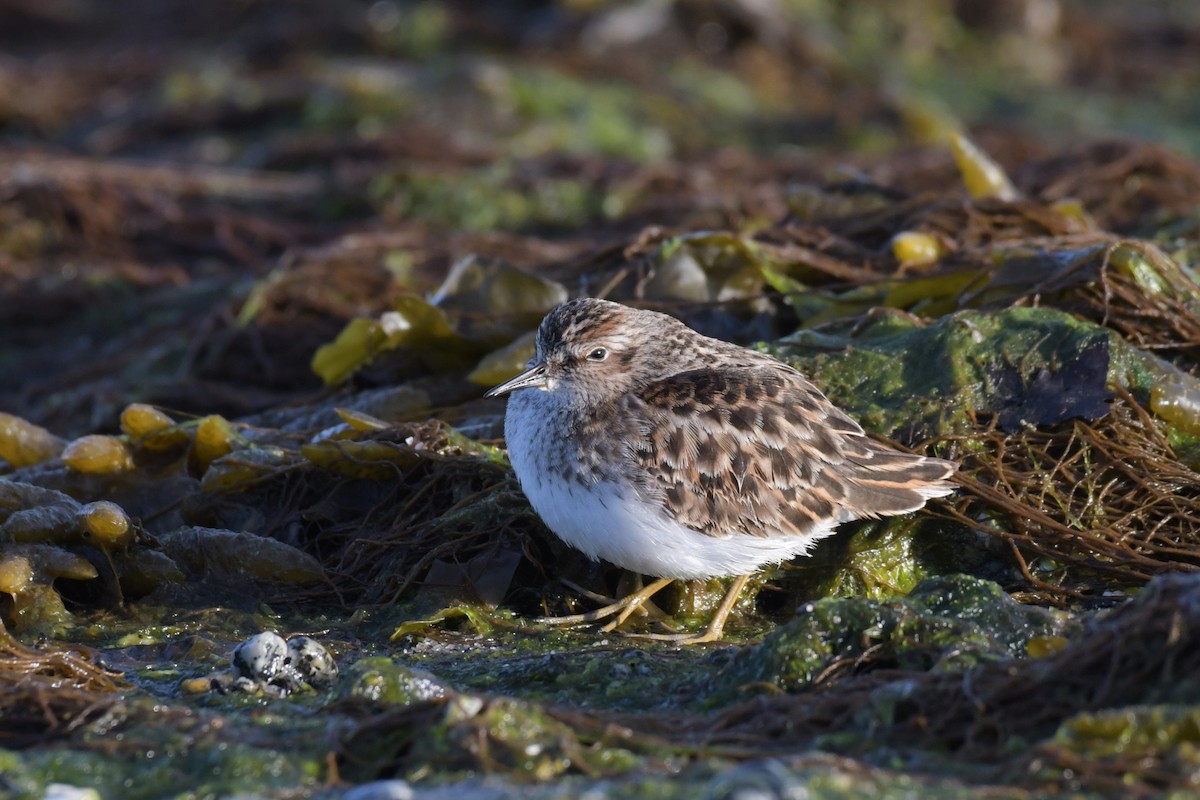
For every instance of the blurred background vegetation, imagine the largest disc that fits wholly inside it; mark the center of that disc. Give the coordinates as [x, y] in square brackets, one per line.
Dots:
[232, 81]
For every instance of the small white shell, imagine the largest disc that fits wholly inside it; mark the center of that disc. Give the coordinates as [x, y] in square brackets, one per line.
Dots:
[266, 663]
[312, 661]
[261, 657]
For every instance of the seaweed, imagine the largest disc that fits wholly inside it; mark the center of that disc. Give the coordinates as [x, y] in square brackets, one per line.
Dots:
[52, 691]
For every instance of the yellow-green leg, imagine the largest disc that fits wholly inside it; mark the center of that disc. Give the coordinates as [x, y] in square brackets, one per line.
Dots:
[716, 625]
[634, 601]
[620, 609]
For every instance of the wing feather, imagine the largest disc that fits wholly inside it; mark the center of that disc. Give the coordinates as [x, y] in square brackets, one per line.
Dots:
[758, 450]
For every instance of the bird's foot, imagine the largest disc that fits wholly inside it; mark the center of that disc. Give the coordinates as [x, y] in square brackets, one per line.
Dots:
[619, 611]
[716, 626]
[699, 637]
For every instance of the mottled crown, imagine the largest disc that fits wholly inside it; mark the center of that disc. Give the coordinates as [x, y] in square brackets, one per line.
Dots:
[580, 320]
[640, 346]
[646, 344]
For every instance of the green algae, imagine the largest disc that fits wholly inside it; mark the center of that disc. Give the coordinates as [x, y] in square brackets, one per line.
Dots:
[40, 610]
[566, 668]
[946, 623]
[896, 375]
[489, 198]
[566, 114]
[383, 679]
[689, 606]
[884, 558]
[515, 737]
[457, 734]
[1048, 380]
[1135, 732]
[477, 620]
[213, 771]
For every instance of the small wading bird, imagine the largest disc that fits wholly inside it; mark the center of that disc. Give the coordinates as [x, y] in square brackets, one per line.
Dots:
[641, 442]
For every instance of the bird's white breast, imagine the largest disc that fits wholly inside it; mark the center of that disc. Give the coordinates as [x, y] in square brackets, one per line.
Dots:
[609, 519]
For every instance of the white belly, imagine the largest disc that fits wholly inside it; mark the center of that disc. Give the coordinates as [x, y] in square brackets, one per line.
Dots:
[610, 521]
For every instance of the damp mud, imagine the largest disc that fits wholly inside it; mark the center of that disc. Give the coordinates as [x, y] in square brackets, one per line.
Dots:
[258, 264]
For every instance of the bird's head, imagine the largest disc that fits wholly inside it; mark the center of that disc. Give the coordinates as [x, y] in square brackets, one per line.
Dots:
[592, 351]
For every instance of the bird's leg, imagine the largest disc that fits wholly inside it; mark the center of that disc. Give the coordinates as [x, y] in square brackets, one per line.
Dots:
[621, 609]
[715, 626]
[634, 601]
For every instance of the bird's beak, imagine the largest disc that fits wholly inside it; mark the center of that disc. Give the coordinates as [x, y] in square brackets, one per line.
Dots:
[532, 378]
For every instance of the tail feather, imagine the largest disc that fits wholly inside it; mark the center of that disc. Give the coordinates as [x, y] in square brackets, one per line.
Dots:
[889, 482]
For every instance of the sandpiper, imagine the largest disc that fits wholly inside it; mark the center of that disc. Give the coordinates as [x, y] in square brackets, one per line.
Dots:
[640, 441]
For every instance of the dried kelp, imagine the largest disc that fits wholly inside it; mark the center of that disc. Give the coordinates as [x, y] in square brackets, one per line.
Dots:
[1086, 505]
[377, 508]
[447, 506]
[46, 692]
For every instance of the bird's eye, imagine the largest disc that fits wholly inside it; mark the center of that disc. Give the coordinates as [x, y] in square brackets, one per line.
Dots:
[599, 354]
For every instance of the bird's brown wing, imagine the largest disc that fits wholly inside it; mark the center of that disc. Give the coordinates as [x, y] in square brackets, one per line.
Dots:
[758, 450]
